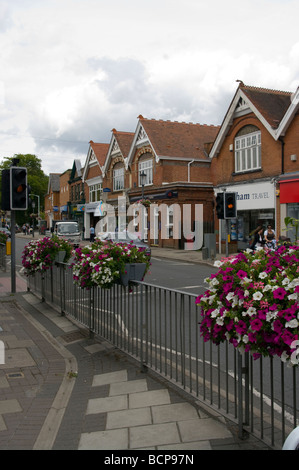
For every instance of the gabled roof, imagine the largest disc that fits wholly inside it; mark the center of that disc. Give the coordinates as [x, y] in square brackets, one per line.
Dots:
[270, 106]
[76, 171]
[174, 140]
[100, 151]
[54, 182]
[96, 155]
[120, 145]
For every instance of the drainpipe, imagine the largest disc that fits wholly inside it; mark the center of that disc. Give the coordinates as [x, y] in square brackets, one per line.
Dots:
[282, 154]
[189, 164]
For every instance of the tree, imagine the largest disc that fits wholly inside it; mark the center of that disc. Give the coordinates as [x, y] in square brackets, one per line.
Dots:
[36, 178]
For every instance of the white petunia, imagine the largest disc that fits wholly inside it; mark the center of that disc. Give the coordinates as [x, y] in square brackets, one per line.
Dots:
[257, 295]
[263, 275]
[215, 313]
[293, 296]
[218, 263]
[230, 296]
[292, 324]
[251, 311]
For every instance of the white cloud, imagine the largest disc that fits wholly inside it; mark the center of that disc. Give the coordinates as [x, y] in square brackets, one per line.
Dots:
[74, 69]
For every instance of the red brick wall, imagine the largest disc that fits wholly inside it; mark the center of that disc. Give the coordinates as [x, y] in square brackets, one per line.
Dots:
[223, 165]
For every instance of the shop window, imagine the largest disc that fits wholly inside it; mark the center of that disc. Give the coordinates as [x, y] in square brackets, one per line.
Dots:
[248, 151]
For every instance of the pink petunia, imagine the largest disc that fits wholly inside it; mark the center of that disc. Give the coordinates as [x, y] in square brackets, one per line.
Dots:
[279, 293]
[256, 324]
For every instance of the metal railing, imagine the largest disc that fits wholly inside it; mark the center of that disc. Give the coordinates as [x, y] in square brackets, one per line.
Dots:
[160, 328]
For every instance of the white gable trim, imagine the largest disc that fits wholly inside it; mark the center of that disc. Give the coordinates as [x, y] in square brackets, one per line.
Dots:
[140, 139]
[289, 115]
[91, 160]
[228, 120]
[114, 151]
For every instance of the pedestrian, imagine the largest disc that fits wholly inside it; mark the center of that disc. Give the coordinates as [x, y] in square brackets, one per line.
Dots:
[92, 234]
[270, 237]
[258, 240]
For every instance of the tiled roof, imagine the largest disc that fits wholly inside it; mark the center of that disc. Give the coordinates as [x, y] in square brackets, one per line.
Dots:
[100, 151]
[124, 140]
[179, 139]
[272, 104]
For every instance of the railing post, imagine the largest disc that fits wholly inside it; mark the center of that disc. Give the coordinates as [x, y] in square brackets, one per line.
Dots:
[141, 327]
[62, 288]
[43, 287]
[91, 313]
[243, 371]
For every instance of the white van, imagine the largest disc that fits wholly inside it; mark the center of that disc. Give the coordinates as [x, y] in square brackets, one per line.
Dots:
[69, 231]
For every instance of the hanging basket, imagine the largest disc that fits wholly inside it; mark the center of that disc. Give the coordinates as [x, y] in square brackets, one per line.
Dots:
[132, 272]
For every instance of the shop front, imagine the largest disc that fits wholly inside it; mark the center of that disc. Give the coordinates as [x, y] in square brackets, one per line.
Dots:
[256, 205]
[289, 202]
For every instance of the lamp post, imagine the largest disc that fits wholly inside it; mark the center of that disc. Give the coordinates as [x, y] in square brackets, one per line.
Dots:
[142, 177]
[33, 207]
[38, 203]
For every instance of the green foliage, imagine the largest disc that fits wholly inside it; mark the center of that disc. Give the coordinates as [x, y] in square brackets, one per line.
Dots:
[290, 223]
[37, 180]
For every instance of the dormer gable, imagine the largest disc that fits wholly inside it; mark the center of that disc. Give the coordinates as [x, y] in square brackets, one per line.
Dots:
[269, 106]
[96, 156]
[118, 149]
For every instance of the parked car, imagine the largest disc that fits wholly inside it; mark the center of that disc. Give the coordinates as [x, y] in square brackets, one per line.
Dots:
[5, 230]
[125, 237]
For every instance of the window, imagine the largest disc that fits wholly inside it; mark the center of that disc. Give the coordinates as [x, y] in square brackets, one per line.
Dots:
[95, 191]
[118, 179]
[248, 152]
[147, 167]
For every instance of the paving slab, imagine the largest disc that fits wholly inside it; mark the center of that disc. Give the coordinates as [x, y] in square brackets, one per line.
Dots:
[149, 398]
[103, 405]
[128, 418]
[104, 440]
[110, 378]
[205, 429]
[121, 388]
[174, 411]
[154, 435]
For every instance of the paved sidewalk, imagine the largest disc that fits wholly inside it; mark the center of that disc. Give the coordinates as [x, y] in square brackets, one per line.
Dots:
[62, 390]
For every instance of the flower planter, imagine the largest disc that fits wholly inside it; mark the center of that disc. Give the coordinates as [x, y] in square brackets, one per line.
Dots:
[59, 258]
[132, 272]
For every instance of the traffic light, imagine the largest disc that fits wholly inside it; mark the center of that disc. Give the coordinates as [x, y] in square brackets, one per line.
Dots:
[230, 206]
[220, 206]
[18, 188]
[5, 190]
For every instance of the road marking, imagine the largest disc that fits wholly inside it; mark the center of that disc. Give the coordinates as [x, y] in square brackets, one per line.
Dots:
[190, 287]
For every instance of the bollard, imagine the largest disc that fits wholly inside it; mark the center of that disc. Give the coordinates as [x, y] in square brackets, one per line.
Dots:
[8, 246]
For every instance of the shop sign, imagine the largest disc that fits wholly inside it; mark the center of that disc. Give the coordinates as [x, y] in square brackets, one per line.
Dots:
[254, 196]
[90, 207]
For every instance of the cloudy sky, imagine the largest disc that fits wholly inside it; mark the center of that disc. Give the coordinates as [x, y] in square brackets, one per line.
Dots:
[72, 70]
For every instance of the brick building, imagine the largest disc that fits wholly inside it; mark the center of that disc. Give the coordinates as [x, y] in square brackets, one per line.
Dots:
[254, 156]
[173, 157]
[52, 199]
[92, 178]
[64, 194]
